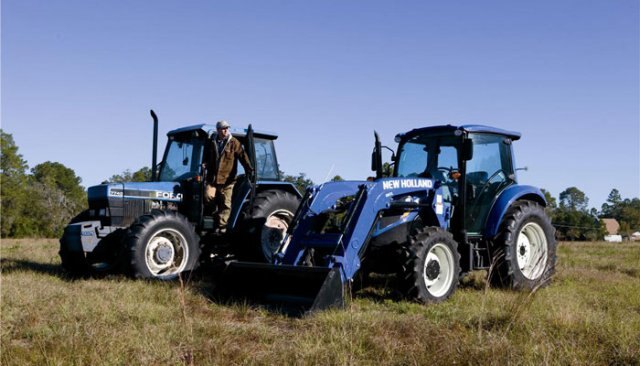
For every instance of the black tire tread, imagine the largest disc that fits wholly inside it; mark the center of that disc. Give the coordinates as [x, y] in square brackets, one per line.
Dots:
[505, 272]
[74, 262]
[410, 278]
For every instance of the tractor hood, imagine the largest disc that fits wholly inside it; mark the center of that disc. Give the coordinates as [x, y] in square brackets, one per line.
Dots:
[161, 191]
[328, 194]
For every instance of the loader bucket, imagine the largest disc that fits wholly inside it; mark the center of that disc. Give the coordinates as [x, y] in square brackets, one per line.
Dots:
[292, 289]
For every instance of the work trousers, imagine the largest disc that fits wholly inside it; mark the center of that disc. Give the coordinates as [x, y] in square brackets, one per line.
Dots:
[219, 196]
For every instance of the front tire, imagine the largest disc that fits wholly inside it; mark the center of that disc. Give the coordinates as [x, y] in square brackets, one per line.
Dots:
[73, 259]
[528, 248]
[162, 245]
[432, 266]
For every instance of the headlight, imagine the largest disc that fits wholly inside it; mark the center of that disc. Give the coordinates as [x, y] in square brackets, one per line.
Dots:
[412, 199]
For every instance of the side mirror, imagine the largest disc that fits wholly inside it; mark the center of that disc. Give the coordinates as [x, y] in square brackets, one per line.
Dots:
[467, 149]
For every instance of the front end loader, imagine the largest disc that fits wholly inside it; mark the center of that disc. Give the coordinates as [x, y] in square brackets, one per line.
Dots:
[331, 232]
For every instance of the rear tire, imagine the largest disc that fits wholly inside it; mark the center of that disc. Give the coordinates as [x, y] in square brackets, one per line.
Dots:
[162, 244]
[263, 231]
[431, 267]
[526, 248]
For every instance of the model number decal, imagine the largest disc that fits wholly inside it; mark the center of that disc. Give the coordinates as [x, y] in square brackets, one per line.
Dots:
[145, 194]
[407, 183]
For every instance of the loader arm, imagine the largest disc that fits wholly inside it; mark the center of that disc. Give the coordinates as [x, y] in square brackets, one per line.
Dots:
[340, 218]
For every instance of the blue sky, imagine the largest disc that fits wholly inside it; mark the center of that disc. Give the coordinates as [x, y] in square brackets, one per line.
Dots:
[79, 78]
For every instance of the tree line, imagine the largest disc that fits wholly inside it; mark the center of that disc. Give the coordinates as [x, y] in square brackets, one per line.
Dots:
[40, 202]
[575, 221]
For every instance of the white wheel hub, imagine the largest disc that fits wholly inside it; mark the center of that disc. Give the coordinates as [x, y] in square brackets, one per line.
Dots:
[438, 270]
[167, 253]
[274, 230]
[531, 250]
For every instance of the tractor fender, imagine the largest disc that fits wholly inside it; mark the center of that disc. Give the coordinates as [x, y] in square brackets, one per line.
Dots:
[283, 186]
[505, 200]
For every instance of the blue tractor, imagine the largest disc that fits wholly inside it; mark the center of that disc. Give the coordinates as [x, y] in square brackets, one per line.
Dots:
[450, 205]
[161, 228]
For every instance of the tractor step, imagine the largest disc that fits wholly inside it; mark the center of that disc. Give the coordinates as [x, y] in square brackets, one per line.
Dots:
[208, 223]
[291, 289]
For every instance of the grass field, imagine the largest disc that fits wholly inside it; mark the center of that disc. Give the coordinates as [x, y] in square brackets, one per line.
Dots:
[589, 315]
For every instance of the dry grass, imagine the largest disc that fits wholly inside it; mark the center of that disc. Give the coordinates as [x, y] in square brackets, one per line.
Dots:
[589, 315]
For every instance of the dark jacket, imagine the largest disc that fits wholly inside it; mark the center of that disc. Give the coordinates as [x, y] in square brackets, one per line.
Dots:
[225, 169]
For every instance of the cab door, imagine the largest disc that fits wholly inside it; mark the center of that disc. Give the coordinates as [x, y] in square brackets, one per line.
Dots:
[244, 190]
[489, 171]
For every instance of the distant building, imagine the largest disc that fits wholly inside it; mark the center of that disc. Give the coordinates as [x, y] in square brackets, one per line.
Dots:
[612, 226]
[613, 238]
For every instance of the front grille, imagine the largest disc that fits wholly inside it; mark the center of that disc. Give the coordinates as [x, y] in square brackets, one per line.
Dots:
[134, 209]
[129, 211]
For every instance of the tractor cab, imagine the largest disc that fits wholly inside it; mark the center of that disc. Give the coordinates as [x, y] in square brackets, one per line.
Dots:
[473, 163]
[185, 147]
[183, 163]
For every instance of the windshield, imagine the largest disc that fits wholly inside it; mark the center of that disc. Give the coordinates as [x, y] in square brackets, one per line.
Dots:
[266, 159]
[182, 159]
[429, 157]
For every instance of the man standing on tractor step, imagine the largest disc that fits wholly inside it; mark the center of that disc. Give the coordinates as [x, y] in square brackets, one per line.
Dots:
[222, 168]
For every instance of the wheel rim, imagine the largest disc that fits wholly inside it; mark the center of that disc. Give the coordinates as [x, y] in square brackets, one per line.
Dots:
[273, 231]
[438, 270]
[531, 251]
[167, 253]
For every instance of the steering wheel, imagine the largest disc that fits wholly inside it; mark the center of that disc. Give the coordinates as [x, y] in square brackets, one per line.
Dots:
[489, 181]
[495, 174]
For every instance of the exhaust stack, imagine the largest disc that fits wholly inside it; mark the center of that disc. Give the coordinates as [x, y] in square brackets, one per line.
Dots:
[155, 146]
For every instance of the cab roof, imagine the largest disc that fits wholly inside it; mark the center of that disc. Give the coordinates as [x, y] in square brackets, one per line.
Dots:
[236, 132]
[464, 128]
